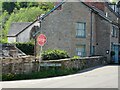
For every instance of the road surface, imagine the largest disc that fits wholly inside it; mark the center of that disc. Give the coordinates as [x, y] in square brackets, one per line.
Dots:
[101, 77]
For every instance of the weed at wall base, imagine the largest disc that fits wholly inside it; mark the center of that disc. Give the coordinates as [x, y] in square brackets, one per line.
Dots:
[38, 75]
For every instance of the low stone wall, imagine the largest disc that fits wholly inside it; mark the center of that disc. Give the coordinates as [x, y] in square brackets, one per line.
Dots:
[17, 65]
[74, 63]
[27, 64]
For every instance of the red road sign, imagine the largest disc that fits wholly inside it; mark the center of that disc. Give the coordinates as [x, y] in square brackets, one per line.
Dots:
[41, 40]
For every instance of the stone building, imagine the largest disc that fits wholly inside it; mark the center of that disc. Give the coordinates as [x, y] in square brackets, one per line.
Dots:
[83, 29]
[21, 31]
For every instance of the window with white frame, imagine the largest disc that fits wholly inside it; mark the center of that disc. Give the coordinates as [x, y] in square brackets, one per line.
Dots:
[80, 29]
[80, 50]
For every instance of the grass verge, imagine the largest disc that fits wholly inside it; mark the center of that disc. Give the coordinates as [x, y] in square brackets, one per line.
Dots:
[38, 75]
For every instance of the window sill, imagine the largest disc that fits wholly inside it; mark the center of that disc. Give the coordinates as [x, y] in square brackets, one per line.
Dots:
[80, 37]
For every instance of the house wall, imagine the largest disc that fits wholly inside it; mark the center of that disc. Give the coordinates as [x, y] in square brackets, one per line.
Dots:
[60, 28]
[111, 15]
[11, 39]
[119, 29]
[114, 19]
[114, 39]
[103, 37]
[104, 33]
[119, 36]
[25, 35]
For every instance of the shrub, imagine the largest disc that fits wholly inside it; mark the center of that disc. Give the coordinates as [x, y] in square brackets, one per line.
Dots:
[27, 48]
[54, 54]
[37, 75]
[8, 77]
[112, 53]
[76, 57]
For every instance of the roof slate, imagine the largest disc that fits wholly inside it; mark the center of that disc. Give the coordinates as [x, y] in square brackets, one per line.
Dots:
[17, 27]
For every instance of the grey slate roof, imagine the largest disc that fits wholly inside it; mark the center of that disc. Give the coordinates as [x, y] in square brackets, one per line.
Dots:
[17, 27]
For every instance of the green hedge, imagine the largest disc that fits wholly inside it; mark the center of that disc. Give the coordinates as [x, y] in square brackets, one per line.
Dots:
[27, 48]
[38, 75]
[54, 54]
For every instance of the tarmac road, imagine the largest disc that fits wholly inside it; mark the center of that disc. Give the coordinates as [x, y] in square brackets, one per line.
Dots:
[101, 77]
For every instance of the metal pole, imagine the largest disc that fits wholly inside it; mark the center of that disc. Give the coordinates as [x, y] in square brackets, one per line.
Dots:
[35, 49]
[40, 59]
[40, 54]
[91, 37]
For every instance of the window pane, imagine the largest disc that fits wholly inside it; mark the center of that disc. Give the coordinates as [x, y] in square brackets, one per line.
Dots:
[81, 26]
[82, 33]
[114, 31]
[79, 33]
[81, 50]
[80, 30]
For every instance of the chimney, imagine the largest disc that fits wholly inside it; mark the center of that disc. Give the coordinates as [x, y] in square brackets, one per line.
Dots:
[57, 3]
[99, 5]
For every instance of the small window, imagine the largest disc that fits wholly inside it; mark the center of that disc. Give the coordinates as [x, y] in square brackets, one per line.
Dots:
[80, 50]
[80, 29]
[93, 50]
[114, 31]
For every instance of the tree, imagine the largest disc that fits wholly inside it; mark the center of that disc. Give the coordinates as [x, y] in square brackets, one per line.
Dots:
[20, 12]
[22, 15]
[8, 6]
[3, 18]
[46, 5]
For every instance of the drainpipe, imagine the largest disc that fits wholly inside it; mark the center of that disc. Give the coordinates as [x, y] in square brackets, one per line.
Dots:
[35, 47]
[91, 32]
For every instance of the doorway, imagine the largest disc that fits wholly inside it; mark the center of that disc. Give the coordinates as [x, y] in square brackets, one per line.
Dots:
[116, 50]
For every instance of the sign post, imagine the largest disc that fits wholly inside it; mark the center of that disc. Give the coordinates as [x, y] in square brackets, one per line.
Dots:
[41, 40]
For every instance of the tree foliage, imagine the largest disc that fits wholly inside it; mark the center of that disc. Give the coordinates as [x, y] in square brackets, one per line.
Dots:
[3, 18]
[23, 15]
[10, 6]
[20, 12]
[27, 48]
[54, 54]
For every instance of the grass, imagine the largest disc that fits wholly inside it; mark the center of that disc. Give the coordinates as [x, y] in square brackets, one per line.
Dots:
[38, 75]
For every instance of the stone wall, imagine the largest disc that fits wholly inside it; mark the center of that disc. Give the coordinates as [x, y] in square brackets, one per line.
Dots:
[27, 64]
[17, 65]
[75, 63]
